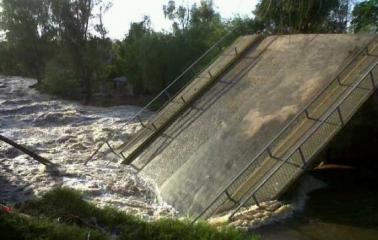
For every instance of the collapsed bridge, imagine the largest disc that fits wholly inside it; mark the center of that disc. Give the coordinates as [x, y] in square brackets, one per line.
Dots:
[246, 127]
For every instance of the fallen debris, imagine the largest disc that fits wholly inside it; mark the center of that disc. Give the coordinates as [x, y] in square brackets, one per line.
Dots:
[32, 154]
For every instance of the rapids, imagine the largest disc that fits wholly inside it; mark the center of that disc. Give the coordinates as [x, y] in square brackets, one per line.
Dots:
[67, 133]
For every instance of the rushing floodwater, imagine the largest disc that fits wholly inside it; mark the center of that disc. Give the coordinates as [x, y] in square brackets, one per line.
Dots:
[66, 133]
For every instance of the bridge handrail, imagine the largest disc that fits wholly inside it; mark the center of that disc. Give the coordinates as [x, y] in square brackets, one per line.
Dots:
[330, 111]
[137, 115]
[302, 111]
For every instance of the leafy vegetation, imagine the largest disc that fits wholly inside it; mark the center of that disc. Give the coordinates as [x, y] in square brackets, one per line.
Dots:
[78, 218]
[64, 44]
[365, 16]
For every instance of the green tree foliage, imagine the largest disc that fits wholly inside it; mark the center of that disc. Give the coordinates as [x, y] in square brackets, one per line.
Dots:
[28, 34]
[365, 16]
[8, 63]
[84, 52]
[303, 16]
[151, 60]
[51, 40]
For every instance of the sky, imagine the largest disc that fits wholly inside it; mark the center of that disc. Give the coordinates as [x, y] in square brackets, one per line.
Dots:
[117, 20]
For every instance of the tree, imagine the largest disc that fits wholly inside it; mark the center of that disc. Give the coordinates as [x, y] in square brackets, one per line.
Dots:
[151, 60]
[180, 16]
[72, 21]
[295, 16]
[365, 16]
[28, 33]
[337, 21]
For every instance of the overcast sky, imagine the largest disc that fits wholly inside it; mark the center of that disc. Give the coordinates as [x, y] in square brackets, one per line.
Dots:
[118, 18]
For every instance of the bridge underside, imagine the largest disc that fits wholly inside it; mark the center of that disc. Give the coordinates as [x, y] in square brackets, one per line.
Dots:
[204, 148]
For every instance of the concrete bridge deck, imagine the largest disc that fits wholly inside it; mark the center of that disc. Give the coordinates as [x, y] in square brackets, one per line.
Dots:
[212, 141]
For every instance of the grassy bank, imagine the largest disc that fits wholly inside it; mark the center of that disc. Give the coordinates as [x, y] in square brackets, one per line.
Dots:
[63, 214]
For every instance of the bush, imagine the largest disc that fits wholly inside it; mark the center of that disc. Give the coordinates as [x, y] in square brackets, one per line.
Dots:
[60, 80]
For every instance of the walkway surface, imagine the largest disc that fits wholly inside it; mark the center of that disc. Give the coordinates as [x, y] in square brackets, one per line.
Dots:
[203, 149]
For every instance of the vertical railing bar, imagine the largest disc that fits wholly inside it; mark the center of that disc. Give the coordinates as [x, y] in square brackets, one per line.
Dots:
[340, 116]
[255, 199]
[111, 148]
[154, 126]
[339, 80]
[193, 72]
[123, 156]
[307, 114]
[302, 156]
[372, 79]
[166, 93]
[211, 76]
[140, 121]
[183, 99]
[269, 152]
[231, 198]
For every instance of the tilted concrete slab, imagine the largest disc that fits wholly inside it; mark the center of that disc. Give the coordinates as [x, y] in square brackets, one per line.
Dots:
[209, 143]
[180, 102]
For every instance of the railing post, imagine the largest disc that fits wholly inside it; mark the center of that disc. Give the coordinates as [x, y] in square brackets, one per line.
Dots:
[140, 121]
[111, 148]
[193, 72]
[340, 116]
[236, 51]
[183, 99]
[211, 76]
[123, 156]
[302, 155]
[338, 80]
[230, 198]
[154, 126]
[269, 152]
[372, 79]
[166, 93]
[255, 199]
[307, 114]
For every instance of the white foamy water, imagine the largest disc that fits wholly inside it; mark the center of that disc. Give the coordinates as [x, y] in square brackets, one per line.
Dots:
[67, 133]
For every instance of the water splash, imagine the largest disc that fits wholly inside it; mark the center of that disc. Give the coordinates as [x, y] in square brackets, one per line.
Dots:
[67, 133]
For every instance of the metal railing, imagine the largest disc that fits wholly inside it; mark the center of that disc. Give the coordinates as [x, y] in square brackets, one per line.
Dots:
[175, 87]
[226, 195]
[327, 126]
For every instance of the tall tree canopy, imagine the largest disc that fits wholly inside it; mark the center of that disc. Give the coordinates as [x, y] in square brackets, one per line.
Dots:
[153, 59]
[303, 16]
[28, 32]
[365, 16]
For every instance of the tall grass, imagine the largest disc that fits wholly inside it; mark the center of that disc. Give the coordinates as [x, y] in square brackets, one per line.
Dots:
[39, 220]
